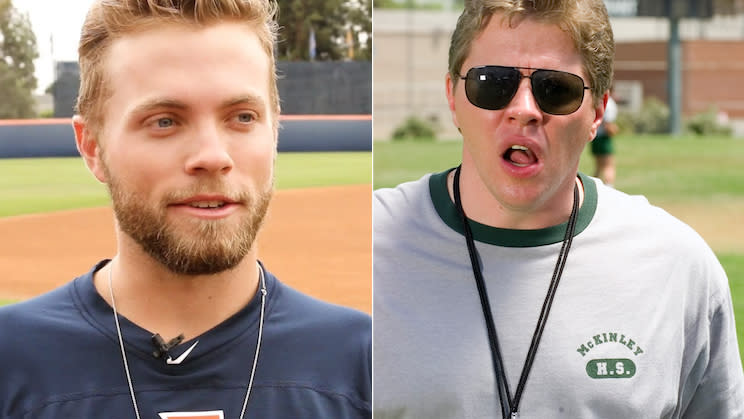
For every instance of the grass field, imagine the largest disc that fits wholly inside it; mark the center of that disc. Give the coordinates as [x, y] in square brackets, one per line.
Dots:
[52, 184]
[702, 175]
[656, 166]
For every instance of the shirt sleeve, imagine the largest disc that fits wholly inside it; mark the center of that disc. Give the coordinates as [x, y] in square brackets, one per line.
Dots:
[720, 391]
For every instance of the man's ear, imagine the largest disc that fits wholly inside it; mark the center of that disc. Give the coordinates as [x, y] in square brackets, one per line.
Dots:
[88, 148]
[450, 87]
[599, 110]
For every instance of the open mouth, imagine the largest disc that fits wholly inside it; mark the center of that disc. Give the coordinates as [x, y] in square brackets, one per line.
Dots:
[520, 156]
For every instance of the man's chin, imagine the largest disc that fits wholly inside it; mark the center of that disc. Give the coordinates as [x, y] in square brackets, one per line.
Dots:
[188, 245]
[199, 261]
[207, 250]
[202, 267]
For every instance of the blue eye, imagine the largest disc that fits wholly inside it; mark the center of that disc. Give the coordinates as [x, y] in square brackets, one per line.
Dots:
[245, 117]
[165, 122]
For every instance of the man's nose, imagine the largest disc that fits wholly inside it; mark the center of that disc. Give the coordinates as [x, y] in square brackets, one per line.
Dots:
[210, 151]
[523, 108]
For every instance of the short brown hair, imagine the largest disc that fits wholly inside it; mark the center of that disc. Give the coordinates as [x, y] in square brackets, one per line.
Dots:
[108, 20]
[585, 21]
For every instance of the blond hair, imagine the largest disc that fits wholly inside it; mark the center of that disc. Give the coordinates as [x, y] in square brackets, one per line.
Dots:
[108, 20]
[585, 21]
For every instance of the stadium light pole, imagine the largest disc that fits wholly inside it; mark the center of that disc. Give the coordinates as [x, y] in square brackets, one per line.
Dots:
[674, 77]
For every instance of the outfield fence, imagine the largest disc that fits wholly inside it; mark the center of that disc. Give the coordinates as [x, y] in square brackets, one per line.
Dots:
[55, 137]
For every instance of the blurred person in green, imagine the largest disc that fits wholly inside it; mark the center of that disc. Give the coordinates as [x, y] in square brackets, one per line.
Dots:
[602, 147]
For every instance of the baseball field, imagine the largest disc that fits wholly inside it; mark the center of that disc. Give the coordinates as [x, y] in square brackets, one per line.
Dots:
[55, 224]
[699, 180]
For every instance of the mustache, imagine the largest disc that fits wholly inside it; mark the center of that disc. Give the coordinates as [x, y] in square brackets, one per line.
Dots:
[230, 193]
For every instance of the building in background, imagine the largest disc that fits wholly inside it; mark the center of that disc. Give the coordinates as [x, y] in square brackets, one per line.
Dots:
[411, 48]
[65, 88]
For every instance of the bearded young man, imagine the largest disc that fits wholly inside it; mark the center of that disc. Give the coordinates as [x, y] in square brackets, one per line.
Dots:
[512, 286]
[178, 116]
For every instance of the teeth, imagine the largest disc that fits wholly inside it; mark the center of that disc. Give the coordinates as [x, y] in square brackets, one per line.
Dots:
[207, 204]
[519, 147]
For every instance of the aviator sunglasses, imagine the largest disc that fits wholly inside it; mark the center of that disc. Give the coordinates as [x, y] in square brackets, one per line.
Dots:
[492, 87]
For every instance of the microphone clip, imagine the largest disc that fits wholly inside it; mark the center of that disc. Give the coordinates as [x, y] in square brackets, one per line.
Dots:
[162, 347]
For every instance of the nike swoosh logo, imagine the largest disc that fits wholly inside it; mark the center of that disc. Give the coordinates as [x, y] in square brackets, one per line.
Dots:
[171, 361]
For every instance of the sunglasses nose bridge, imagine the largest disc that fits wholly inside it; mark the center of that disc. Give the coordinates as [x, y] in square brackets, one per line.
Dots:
[523, 105]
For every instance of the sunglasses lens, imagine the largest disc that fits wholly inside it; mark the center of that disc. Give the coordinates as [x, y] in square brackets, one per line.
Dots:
[557, 92]
[491, 87]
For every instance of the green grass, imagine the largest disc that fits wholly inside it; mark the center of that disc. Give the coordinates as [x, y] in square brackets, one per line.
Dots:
[53, 184]
[656, 166]
[303, 170]
[41, 185]
[401, 161]
[687, 171]
[678, 169]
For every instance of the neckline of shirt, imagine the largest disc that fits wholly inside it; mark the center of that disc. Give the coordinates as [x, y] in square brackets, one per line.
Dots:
[446, 210]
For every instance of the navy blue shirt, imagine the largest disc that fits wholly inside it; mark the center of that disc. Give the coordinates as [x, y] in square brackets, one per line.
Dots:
[60, 358]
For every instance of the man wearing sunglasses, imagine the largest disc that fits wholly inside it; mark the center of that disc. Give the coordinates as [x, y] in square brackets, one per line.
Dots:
[514, 286]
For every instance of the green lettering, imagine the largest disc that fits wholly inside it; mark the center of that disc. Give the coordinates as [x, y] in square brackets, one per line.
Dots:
[582, 350]
[613, 337]
[630, 344]
[597, 339]
[605, 337]
[638, 351]
[622, 340]
[590, 344]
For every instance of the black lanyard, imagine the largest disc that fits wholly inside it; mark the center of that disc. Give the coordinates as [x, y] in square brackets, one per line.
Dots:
[510, 406]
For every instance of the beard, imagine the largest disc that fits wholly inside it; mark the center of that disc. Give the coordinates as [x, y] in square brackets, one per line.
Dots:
[192, 246]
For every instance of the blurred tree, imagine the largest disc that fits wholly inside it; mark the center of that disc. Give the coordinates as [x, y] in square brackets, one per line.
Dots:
[17, 54]
[360, 23]
[298, 18]
[328, 22]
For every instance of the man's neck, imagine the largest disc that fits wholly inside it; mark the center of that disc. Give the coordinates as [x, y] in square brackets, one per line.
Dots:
[169, 304]
[481, 206]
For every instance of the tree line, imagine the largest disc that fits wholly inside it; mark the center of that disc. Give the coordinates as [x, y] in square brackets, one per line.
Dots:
[17, 55]
[340, 29]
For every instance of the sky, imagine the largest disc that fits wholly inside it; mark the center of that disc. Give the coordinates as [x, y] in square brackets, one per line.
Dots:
[56, 24]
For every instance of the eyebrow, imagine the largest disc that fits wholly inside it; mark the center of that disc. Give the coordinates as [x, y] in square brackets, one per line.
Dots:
[161, 102]
[158, 103]
[249, 99]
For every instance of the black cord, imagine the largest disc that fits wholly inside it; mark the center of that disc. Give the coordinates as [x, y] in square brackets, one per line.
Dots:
[543, 319]
[509, 405]
[493, 340]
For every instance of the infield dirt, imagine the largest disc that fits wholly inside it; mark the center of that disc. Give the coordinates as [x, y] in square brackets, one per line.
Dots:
[317, 240]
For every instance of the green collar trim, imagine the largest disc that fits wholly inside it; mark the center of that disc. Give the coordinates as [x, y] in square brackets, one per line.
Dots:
[508, 237]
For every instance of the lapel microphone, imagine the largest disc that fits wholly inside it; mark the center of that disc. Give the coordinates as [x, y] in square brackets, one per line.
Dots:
[162, 347]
